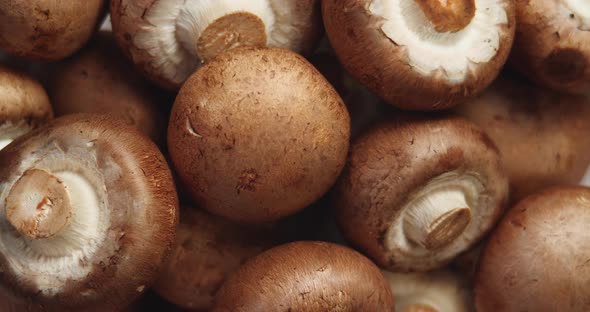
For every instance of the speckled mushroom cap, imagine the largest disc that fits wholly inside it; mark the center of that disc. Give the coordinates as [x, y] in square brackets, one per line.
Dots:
[258, 134]
[88, 212]
[542, 135]
[169, 39]
[207, 250]
[100, 80]
[24, 105]
[306, 276]
[417, 191]
[48, 30]
[552, 43]
[421, 55]
[537, 257]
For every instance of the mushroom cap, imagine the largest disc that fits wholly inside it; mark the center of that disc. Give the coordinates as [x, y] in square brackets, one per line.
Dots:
[122, 226]
[391, 47]
[162, 37]
[48, 30]
[541, 135]
[258, 134]
[552, 43]
[207, 250]
[401, 160]
[306, 276]
[108, 83]
[537, 257]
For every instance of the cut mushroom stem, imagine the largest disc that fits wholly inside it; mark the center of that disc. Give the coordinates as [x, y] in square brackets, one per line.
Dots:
[448, 15]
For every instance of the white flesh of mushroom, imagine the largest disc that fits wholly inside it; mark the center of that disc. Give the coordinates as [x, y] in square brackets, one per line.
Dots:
[175, 26]
[450, 54]
[12, 130]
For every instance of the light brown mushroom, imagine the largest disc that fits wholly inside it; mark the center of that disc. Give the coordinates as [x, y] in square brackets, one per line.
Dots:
[542, 135]
[537, 259]
[421, 55]
[48, 30]
[207, 250]
[419, 190]
[101, 80]
[24, 105]
[258, 134]
[306, 276]
[552, 43]
[169, 39]
[88, 213]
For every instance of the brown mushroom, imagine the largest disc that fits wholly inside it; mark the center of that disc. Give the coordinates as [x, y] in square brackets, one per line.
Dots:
[421, 55]
[552, 43]
[23, 107]
[306, 276]
[88, 212]
[48, 30]
[101, 80]
[207, 250]
[537, 257]
[169, 39]
[542, 136]
[258, 134]
[420, 190]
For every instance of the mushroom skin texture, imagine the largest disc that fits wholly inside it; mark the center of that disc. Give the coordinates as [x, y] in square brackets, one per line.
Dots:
[88, 213]
[437, 291]
[48, 30]
[541, 135]
[418, 190]
[24, 105]
[552, 43]
[537, 257]
[207, 250]
[107, 83]
[421, 55]
[169, 39]
[306, 276]
[257, 134]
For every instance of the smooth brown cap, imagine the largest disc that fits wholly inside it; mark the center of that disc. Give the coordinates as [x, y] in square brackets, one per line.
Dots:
[537, 257]
[306, 276]
[48, 30]
[23, 99]
[258, 134]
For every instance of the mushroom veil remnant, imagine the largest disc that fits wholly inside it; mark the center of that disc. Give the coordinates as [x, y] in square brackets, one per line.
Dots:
[421, 54]
[88, 212]
[169, 39]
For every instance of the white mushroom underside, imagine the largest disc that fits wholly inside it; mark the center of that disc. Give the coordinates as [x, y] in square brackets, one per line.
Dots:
[50, 263]
[406, 252]
[451, 54]
[174, 26]
[11, 130]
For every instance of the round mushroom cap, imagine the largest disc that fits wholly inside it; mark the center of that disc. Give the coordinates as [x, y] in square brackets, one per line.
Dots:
[207, 250]
[537, 257]
[101, 80]
[24, 105]
[113, 190]
[48, 30]
[421, 55]
[552, 43]
[169, 39]
[542, 135]
[418, 191]
[306, 276]
[258, 134]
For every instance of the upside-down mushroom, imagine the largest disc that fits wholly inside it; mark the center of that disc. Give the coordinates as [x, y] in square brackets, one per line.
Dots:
[421, 55]
[418, 190]
[88, 213]
[169, 39]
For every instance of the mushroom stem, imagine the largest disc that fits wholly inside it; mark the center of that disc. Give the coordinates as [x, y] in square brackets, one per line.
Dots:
[448, 15]
[437, 218]
[418, 307]
[38, 205]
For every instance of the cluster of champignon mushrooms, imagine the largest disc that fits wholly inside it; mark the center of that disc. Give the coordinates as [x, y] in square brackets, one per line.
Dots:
[295, 155]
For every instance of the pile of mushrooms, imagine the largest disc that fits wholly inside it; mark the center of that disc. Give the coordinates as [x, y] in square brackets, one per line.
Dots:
[420, 156]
